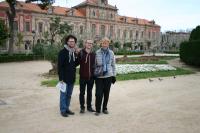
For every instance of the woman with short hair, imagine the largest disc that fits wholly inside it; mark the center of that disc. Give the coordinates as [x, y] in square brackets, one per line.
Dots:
[105, 73]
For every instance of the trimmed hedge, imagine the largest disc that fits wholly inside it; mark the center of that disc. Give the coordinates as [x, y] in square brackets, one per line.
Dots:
[190, 52]
[171, 52]
[18, 57]
[121, 52]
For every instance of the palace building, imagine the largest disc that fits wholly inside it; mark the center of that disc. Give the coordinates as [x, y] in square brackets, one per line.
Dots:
[90, 19]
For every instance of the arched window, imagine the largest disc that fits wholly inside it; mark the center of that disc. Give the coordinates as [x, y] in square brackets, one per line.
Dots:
[131, 34]
[81, 30]
[111, 16]
[103, 30]
[125, 34]
[93, 30]
[118, 33]
[94, 13]
[111, 31]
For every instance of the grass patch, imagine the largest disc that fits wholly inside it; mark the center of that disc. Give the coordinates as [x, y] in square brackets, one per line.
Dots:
[50, 82]
[132, 76]
[144, 75]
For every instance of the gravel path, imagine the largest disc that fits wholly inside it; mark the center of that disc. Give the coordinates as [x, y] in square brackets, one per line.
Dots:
[139, 106]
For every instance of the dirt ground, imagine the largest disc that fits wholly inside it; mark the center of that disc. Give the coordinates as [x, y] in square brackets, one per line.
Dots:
[137, 106]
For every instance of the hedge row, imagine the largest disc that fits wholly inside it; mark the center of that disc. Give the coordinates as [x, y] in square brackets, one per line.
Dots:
[20, 57]
[171, 52]
[190, 52]
[121, 52]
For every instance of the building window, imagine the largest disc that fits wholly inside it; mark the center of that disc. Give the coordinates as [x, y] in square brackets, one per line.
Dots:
[154, 35]
[27, 26]
[125, 34]
[27, 45]
[142, 34]
[15, 26]
[81, 30]
[111, 31]
[111, 16]
[136, 35]
[40, 27]
[93, 30]
[149, 35]
[118, 33]
[2, 21]
[103, 15]
[103, 30]
[94, 14]
[131, 34]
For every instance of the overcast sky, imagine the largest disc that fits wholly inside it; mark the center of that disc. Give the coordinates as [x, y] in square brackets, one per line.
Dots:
[169, 14]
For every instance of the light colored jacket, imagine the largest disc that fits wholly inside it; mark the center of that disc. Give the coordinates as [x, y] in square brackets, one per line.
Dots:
[111, 64]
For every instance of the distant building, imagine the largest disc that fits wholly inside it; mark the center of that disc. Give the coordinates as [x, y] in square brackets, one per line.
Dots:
[89, 19]
[172, 40]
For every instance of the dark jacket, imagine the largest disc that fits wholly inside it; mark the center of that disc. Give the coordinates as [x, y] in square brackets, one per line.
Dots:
[87, 62]
[66, 69]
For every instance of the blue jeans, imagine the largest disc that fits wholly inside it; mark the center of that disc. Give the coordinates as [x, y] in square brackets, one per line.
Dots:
[65, 98]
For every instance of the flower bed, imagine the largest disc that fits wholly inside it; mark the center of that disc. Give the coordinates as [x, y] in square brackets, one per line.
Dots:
[135, 68]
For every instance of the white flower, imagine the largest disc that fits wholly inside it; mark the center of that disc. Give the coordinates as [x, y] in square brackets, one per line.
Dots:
[135, 68]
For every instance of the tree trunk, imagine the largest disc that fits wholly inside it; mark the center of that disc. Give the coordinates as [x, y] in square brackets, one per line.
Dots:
[11, 17]
[54, 69]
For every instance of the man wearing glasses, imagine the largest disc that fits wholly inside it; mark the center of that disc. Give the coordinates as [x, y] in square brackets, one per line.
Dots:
[87, 60]
[67, 62]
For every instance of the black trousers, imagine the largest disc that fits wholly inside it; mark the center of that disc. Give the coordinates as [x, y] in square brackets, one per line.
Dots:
[83, 84]
[102, 92]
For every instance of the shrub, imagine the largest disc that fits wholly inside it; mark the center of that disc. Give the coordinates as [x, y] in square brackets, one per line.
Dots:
[171, 52]
[122, 51]
[18, 57]
[51, 52]
[195, 34]
[38, 49]
[189, 52]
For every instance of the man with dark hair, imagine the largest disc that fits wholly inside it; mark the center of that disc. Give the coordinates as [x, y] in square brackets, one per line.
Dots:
[87, 61]
[67, 62]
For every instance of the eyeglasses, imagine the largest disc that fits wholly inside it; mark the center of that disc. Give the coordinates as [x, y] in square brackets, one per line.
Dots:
[71, 41]
[89, 43]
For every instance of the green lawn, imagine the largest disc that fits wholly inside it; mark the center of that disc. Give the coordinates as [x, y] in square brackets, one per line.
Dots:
[144, 75]
[133, 76]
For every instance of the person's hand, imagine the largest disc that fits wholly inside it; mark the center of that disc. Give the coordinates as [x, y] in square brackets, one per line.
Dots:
[113, 80]
[77, 50]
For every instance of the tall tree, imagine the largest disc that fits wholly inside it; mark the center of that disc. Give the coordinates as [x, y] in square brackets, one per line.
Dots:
[11, 13]
[43, 3]
[195, 34]
[3, 33]
[57, 28]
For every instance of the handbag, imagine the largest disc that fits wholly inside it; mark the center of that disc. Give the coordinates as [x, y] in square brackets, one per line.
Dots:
[98, 71]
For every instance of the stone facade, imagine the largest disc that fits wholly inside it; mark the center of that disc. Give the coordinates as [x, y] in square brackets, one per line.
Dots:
[172, 40]
[90, 19]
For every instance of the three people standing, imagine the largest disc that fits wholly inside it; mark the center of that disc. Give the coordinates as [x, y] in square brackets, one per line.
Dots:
[90, 63]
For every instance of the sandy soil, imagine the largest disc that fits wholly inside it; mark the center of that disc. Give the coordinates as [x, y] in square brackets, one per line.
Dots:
[167, 106]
